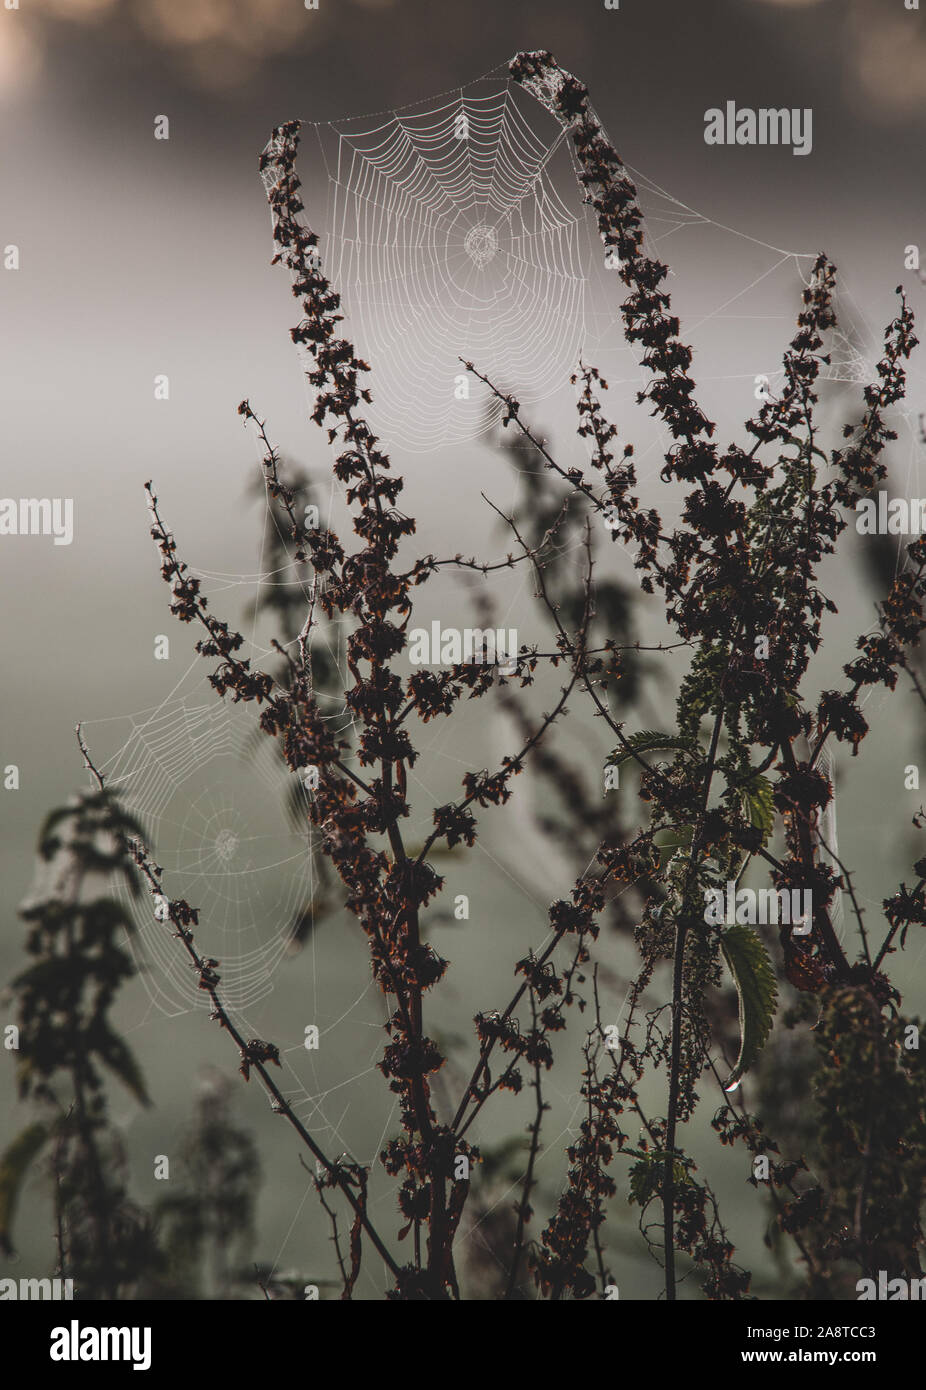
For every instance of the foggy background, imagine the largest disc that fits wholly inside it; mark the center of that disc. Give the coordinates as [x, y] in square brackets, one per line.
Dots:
[141, 257]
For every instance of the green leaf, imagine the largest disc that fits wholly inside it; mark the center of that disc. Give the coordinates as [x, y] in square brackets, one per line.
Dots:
[648, 741]
[759, 806]
[14, 1167]
[648, 1173]
[757, 990]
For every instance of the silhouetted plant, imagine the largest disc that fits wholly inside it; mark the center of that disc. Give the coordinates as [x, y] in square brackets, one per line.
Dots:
[743, 760]
[66, 1041]
[206, 1221]
[289, 493]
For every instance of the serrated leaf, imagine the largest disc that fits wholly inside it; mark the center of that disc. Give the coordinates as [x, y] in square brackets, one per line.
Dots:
[648, 741]
[759, 805]
[757, 991]
[14, 1168]
[647, 1174]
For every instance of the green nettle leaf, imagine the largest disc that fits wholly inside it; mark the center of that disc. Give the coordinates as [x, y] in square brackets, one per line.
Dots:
[14, 1167]
[759, 806]
[757, 990]
[648, 741]
[647, 1174]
